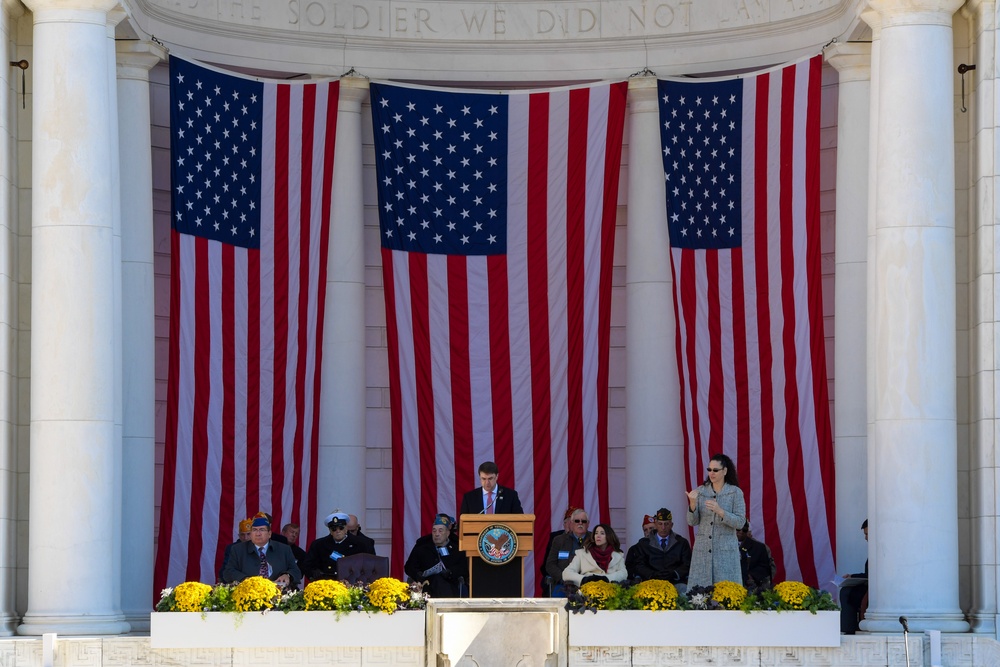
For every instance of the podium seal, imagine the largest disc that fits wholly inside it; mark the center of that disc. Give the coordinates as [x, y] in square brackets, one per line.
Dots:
[497, 544]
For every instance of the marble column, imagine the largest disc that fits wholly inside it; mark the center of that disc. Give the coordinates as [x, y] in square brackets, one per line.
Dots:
[72, 500]
[915, 440]
[852, 61]
[114, 17]
[134, 60]
[654, 442]
[10, 98]
[984, 308]
[874, 20]
[342, 416]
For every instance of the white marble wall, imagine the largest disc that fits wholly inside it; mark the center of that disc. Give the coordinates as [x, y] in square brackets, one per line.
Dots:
[977, 294]
[857, 651]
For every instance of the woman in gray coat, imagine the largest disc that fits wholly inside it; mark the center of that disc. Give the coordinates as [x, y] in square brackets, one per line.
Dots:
[718, 508]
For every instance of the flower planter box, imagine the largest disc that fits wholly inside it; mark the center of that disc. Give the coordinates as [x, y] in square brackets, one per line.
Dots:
[295, 629]
[705, 628]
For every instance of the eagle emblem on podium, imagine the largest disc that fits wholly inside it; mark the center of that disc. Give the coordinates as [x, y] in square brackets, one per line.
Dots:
[497, 544]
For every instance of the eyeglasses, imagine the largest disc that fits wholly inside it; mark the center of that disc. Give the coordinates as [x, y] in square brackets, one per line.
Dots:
[714, 469]
[339, 528]
[581, 520]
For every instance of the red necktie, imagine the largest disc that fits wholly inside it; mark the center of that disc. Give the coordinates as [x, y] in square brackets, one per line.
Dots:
[489, 502]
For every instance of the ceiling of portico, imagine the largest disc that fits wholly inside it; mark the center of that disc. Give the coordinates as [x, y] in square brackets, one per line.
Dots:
[478, 41]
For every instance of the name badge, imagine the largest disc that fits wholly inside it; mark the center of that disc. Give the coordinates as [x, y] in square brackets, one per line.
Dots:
[336, 555]
[563, 555]
[443, 551]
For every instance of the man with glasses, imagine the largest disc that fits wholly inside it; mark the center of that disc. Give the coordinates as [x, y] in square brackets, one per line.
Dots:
[321, 558]
[563, 548]
[664, 554]
[261, 556]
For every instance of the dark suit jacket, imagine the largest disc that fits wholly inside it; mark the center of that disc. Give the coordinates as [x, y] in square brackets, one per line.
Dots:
[504, 502]
[243, 562]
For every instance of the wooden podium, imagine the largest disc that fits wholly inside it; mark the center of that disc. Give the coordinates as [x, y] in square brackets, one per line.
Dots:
[488, 579]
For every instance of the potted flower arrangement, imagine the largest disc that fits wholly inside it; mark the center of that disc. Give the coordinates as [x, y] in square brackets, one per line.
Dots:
[740, 618]
[256, 613]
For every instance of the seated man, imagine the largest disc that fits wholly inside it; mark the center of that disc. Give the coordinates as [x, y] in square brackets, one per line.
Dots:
[755, 561]
[321, 558]
[291, 533]
[262, 557]
[854, 596]
[632, 557]
[242, 536]
[664, 554]
[354, 528]
[563, 548]
[436, 560]
[553, 535]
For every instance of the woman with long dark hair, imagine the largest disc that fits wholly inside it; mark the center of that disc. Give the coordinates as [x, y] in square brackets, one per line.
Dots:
[718, 509]
[600, 557]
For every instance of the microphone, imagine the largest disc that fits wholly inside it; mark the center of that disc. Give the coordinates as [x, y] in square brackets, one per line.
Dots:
[902, 621]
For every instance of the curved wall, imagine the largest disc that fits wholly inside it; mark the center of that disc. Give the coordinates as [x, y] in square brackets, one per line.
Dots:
[497, 42]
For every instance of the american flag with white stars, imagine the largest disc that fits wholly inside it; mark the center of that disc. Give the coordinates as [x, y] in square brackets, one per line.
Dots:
[216, 126]
[700, 135]
[442, 165]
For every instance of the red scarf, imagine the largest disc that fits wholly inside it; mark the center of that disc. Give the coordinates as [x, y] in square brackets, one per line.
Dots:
[602, 556]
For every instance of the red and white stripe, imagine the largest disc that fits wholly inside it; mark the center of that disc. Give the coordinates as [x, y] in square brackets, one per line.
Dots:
[246, 328]
[750, 333]
[505, 358]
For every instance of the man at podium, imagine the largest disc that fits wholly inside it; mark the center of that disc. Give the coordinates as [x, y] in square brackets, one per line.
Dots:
[490, 498]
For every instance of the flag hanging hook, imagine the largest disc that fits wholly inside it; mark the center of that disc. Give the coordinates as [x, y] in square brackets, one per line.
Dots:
[21, 65]
[962, 69]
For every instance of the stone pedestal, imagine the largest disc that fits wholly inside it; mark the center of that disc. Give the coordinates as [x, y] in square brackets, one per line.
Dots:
[496, 633]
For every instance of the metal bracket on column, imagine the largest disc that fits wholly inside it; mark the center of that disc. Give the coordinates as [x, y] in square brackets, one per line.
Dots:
[962, 69]
[645, 71]
[21, 65]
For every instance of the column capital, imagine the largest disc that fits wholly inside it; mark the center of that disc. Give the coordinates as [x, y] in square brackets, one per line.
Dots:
[852, 60]
[136, 58]
[71, 5]
[642, 94]
[353, 91]
[874, 21]
[973, 7]
[915, 12]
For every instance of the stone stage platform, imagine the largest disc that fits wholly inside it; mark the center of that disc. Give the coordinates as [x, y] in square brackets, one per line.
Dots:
[485, 633]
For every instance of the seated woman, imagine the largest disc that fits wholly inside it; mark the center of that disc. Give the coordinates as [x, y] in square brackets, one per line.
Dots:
[600, 558]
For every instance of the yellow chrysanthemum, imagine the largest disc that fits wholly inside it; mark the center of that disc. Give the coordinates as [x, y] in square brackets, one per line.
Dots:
[325, 594]
[729, 594]
[255, 594]
[190, 596]
[388, 593]
[656, 595]
[598, 592]
[792, 593]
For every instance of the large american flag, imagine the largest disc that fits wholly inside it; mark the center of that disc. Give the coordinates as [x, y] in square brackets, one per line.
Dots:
[251, 178]
[497, 216]
[741, 163]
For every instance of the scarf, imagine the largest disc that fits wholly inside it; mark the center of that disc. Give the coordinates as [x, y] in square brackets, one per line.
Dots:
[602, 556]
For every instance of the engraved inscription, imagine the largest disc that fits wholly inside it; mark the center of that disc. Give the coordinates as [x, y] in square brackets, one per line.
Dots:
[521, 20]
